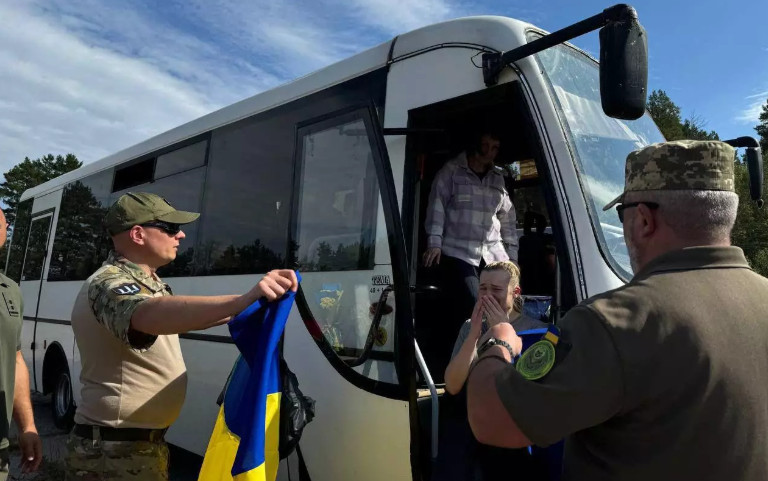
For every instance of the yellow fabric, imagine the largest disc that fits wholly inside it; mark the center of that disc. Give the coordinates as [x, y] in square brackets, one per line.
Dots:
[551, 337]
[222, 448]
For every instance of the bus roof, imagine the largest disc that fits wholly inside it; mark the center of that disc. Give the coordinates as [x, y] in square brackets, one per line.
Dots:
[500, 33]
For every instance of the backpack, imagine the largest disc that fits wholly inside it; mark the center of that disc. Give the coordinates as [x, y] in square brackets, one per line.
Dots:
[296, 411]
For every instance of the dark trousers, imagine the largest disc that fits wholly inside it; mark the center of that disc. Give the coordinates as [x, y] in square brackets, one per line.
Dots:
[462, 458]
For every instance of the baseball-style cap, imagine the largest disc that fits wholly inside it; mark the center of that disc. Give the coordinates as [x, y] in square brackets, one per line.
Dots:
[679, 165]
[136, 208]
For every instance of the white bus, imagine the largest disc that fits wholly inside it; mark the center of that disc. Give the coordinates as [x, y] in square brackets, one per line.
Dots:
[330, 174]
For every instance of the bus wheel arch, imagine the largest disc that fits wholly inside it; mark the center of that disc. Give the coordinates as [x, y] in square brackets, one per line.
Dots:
[57, 381]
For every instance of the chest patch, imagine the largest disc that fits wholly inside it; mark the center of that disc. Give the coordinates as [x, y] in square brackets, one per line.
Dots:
[13, 309]
[127, 289]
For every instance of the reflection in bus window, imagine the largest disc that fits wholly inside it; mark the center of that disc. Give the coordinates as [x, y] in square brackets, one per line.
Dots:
[247, 197]
[19, 239]
[339, 200]
[601, 143]
[180, 160]
[184, 191]
[81, 244]
[37, 247]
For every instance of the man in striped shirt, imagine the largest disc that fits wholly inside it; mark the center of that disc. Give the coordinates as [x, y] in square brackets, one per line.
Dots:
[471, 221]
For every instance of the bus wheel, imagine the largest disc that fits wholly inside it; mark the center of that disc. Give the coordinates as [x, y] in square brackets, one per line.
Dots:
[62, 401]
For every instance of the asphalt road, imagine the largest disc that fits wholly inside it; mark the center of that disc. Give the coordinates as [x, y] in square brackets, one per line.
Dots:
[185, 466]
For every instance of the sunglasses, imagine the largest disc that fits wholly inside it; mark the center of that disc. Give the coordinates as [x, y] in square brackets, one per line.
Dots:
[167, 227]
[622, 207]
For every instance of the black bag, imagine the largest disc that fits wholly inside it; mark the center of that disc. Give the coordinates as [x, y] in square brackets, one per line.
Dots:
[296, 411]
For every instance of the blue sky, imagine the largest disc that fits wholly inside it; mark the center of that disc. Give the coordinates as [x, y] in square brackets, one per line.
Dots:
[92, 77]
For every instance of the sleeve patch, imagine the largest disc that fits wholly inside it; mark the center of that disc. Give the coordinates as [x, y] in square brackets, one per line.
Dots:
[127, 289]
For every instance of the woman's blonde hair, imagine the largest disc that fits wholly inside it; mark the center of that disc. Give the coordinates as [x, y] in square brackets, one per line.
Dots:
[514, 278]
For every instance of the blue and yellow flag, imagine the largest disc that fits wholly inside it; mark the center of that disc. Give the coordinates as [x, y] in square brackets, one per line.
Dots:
[244, 442]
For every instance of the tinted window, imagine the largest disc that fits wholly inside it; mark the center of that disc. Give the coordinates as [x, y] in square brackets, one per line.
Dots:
[37, 247]
[182, 159]
[135, 174]
[248, 192]
[183, 191]
[19, 240]
[81, 243]
[338, 199]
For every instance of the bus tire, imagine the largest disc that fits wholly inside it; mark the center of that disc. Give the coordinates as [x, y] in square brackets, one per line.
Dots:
[62, 400]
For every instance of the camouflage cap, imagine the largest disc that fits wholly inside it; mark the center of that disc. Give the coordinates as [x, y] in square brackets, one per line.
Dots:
[136, 208]
[679, 165]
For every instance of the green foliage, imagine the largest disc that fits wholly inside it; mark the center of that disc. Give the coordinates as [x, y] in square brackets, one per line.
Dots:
[693, 129]
[666, 114]
[31, 173]
[751, 229]
[82, 243]
[28, 174]
[762, 128]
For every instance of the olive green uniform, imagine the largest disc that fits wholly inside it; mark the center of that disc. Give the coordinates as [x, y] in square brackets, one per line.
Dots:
[10, 343]
[667, 376]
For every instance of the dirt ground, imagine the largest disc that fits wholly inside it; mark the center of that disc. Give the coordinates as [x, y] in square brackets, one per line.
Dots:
[185, 466]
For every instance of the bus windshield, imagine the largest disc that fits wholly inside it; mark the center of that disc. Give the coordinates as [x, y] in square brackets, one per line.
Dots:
[601, 143]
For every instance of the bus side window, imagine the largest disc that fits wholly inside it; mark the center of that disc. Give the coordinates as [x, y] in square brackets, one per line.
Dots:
[340, 234]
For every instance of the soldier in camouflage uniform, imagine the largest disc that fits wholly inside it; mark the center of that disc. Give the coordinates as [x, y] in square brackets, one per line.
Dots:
[126, 324]
[664, 377]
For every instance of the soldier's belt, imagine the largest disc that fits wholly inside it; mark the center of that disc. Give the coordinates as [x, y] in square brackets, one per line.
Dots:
[118, 434]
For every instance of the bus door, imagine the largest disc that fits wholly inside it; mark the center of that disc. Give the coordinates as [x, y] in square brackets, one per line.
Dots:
[354, 301]
[35, 254]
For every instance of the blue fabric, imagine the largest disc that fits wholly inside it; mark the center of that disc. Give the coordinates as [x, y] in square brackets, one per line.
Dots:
[256, 332]
[537, 307]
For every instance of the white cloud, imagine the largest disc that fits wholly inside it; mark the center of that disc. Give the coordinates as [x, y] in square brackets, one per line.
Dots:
[751, 113]
[92, 77]
[62, 95]
[399, 16]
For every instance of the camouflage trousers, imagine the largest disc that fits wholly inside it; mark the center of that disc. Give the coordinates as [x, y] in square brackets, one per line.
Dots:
[4, 464]
[115, 460]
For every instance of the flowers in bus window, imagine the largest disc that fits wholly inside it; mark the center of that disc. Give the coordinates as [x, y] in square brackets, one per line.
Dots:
[329, 299]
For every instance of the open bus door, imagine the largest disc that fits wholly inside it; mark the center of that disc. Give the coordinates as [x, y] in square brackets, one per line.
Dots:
[354, 299]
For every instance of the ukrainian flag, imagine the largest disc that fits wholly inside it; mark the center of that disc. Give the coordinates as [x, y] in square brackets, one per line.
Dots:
[244, 442]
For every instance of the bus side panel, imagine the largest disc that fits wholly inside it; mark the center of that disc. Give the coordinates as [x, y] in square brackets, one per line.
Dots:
[56, 305]
[208, 366]
[355, 434]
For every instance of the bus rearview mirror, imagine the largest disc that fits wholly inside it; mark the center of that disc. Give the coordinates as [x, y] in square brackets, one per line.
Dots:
[755, 168]
[624, 68]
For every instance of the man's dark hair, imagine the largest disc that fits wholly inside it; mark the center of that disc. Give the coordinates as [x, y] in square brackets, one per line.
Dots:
[473, 146]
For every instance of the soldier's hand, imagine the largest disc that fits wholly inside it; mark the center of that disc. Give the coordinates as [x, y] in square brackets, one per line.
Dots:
[31, 451]
[432, 255]
[276, 283]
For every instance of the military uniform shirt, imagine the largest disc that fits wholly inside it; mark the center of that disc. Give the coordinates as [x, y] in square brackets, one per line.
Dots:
[663, 378]
[10, 343]
[129, 379]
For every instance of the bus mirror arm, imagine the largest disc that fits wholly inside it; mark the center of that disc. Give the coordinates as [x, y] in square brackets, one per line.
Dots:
[380, 307]
[623, 59]
[754, 166]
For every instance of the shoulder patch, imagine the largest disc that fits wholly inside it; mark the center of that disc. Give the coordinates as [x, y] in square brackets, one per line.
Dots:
[127, 289]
